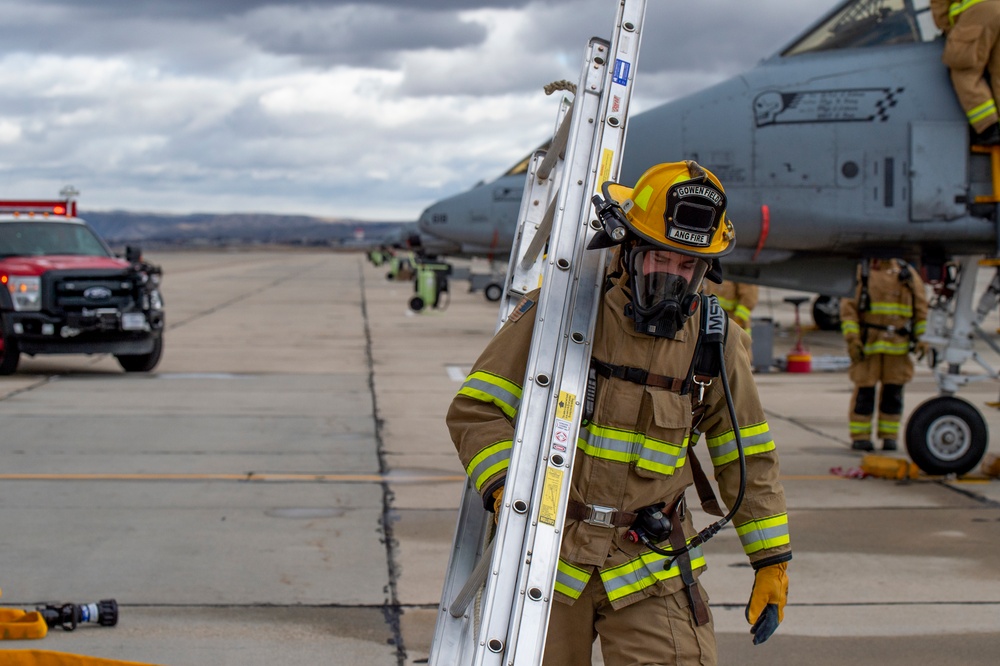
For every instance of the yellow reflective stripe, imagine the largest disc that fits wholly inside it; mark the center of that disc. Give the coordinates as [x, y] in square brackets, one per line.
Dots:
[765, 533]
[626, 446]
[727, 304]
[571, 580]
[756, 439]
[487, 387]
[982, 111]
[847, 327]
[886, 347]
[860, 427]
[888, 427]
[489, 461]
[958, 7]
[641, 572]
[920, 328]
[904, 310]
[743, 312]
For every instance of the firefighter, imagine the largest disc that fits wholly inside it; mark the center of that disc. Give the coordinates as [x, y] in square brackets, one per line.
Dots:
[634, 449]
[972, 33]
[881, 325]
[737, 298]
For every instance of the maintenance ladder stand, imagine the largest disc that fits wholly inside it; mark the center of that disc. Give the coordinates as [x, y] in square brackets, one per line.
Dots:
[508, 621]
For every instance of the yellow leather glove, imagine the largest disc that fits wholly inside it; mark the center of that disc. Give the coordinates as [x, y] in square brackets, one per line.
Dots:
[766, 608]
[497, 502]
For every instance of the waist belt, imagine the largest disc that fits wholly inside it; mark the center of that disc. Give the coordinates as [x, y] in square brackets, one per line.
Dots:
[601, 516]
[900, 330]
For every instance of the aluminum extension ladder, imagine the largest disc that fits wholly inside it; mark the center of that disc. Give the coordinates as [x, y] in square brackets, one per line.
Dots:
[498, 590]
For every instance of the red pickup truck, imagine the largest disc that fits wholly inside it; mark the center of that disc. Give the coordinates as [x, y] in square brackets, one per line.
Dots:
[65, 292]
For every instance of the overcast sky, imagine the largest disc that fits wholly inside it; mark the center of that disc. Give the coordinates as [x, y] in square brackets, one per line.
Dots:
[335, 108]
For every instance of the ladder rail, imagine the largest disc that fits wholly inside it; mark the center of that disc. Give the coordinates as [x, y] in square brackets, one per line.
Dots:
[555, 209]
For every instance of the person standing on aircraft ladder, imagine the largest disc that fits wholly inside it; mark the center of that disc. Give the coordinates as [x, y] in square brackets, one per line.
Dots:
[633, 460]
[881, 325]
[972, 47]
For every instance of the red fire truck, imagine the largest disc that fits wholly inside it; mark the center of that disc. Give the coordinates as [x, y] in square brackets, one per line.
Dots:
[65, 292]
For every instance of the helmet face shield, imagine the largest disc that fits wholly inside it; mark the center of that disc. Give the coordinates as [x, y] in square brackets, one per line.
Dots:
[665, 285]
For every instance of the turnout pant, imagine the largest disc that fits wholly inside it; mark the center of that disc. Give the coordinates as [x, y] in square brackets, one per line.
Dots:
[655, 630]
[881, 377]
[970, 50]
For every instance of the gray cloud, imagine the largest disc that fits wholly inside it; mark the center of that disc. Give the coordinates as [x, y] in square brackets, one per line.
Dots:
[329, 107]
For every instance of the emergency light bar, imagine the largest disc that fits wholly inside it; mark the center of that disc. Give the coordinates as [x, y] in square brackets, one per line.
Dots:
[40, 206]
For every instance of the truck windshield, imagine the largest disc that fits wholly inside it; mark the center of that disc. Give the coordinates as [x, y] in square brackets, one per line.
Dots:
[864, 23]
[19, 239]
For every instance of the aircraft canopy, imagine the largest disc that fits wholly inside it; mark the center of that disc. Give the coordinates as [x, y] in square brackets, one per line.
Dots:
[863, 23]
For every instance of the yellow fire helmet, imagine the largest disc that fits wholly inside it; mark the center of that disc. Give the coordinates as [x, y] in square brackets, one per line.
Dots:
[678, 206]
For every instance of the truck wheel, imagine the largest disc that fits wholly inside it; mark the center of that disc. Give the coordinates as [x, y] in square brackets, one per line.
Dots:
[10, 354]
[142, 362]
[946, 435]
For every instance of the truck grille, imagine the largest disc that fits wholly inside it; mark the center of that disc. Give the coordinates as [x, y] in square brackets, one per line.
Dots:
[77, 291]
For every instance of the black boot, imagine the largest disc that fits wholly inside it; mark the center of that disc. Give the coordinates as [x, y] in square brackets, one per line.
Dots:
[862, 445]
[888, 445]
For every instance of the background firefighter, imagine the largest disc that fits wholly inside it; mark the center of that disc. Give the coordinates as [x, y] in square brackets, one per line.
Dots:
[972, 32]
[633, 449]
[881, 325]
[737, 298]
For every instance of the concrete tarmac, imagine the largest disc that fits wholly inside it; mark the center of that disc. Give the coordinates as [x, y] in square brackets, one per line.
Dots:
[282, 488]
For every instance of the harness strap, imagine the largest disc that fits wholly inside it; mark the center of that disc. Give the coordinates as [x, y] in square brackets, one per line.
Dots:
[677, 542]
[640, 376]
[706, 495]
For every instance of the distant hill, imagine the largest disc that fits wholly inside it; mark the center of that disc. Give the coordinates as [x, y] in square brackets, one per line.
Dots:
[159, 230]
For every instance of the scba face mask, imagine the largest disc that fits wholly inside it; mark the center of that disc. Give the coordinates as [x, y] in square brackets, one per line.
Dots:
[664, 288]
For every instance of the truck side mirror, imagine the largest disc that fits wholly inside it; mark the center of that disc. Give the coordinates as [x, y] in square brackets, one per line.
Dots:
[133, 254]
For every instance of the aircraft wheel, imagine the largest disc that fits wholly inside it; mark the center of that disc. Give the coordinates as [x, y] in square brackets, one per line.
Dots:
[10, 354]
[946, 435]
[826, 313]
[493, 292]
[417, 304]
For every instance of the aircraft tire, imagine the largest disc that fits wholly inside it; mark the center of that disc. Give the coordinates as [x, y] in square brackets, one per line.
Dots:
[10, 354]
[826, 313]
[493, 292]
[417, 304]
[946, 435]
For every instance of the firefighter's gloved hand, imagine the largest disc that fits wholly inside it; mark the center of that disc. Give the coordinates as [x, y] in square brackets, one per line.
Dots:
[922, 349]
[855, 350]
[766, 608]
[497, 501]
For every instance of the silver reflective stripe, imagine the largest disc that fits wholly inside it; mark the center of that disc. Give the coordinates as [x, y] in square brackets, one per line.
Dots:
[764, 533]
[481, 386]
[626, 447]
[570, 580]
[642, 572]
[488, 462]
